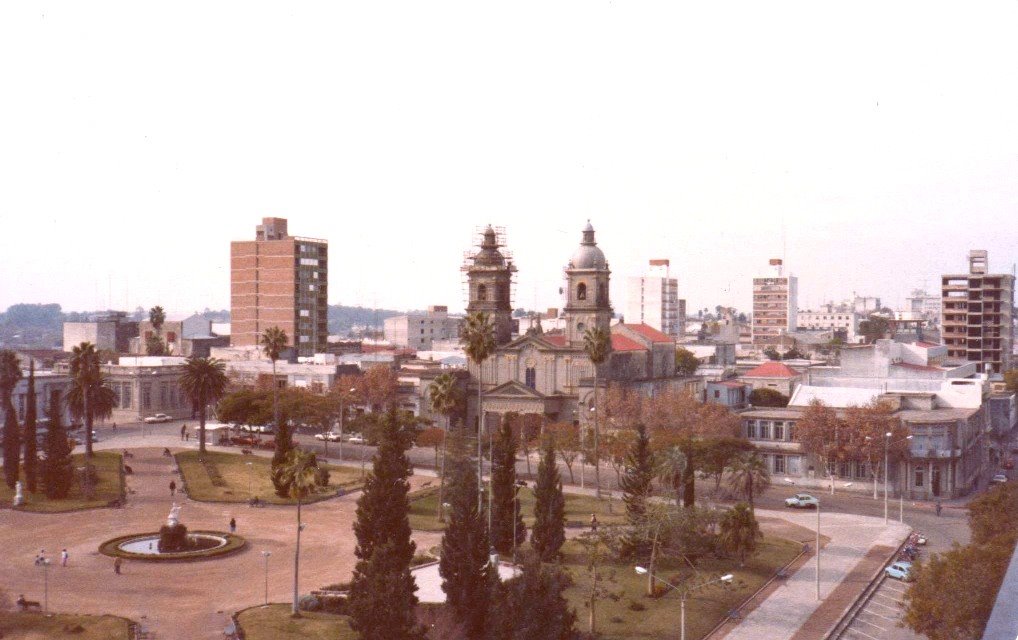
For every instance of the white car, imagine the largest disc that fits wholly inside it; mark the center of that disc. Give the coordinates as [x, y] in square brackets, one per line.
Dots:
[357, 440]
[158, 418]
[256, 428]
[331, 436]
[1000, 478]
[802, 501]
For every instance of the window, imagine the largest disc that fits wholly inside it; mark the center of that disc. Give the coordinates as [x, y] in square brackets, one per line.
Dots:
[764, 429]
[304, 313]
[171, 336]
[751, 429]
[793, 465]
[779, 430]
[580, 326]
[919, 477]
[531, 377]
[717, 394]
[581, 291]
[162, 395]
[482, 292]
[146, 395]
[779, 464]
[128, 399]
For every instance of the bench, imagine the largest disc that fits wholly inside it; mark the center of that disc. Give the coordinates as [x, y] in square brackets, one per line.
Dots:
[25, 605]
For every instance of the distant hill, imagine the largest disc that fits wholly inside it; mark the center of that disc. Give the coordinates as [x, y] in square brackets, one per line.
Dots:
[343, 319]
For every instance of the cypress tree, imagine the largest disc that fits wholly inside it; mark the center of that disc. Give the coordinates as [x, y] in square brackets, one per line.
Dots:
[505, 509]
[57, 468]
[31, 455]
[10, 373]
[382, 601]
[548, 533]
[532, 606]
[466, 573]
[635, 483]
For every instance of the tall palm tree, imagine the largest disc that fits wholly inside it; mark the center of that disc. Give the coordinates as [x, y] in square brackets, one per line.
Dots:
[750, 477]
[273, 341]
[89, 397]
[203, 382]
[446, 398]
[597, 344]
[739, 531]
[299, 472]
[157, 316]
[155, 346]
[479, 341]
[10, 373]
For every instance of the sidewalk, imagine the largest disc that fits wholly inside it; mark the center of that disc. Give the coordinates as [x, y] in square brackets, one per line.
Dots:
[857, 544]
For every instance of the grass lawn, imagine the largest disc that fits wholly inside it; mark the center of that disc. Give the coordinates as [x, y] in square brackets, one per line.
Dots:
[35, 626]
[616, 620]
[107, 465]
[424, 509]
[239, 481]
[274, 623]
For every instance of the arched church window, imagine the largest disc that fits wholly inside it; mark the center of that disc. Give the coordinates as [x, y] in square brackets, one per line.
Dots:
[580, 326]
[581, 291]
[531, 377]
[482, 292]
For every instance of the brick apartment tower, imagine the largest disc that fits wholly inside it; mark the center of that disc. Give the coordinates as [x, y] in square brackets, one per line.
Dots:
[278, 280]
[775, 305]
[976, 315]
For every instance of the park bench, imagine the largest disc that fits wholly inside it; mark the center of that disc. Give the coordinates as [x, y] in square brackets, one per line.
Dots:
[25, 605]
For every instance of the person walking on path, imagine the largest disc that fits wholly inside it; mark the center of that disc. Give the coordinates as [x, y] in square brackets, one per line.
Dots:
[116, 566]
[183, 431]
[939, 507]
[173, 488]
[63, 558]
[233, 525]
[593, 522]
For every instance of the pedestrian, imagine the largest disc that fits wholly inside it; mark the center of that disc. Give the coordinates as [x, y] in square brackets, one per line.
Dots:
[116, 566]
[173, 488]
[63, 558]
[233, 525]
[183, 431]
[593, 523]
[114, 426]
[939, 507]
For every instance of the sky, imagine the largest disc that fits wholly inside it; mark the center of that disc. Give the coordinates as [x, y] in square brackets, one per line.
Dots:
[870, 144]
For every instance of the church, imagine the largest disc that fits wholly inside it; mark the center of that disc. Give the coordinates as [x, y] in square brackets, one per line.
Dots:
[549, 374]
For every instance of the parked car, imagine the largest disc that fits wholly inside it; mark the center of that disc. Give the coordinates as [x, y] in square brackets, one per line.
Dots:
[256, 428]
[802, 501]
[1008, 464]
[899, 571]
[331, 436]
[158, 418]
[357, 440]
[1000, 478]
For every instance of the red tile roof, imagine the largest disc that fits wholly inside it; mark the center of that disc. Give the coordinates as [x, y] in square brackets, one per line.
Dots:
[649, 333]
[732, 385]
[557, 340]
[771, 370]
[622, 343]
[926, 345]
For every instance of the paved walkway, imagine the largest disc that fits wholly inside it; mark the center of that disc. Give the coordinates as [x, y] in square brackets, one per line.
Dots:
[185, 601]
[847, 560]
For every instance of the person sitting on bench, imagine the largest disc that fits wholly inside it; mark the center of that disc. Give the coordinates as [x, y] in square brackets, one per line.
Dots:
[25, 605]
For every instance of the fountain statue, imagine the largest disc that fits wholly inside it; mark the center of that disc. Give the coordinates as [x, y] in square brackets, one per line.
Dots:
[19, 495]
[173, 534]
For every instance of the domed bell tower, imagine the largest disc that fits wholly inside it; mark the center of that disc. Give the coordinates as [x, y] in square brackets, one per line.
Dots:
[489, 283]
[587, 279]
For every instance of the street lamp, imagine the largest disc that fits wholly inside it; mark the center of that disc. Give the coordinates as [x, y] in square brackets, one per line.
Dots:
[727, 578]
[352, 390]
[887, 444]
[250, 480]
[44, 562]
[266, 554]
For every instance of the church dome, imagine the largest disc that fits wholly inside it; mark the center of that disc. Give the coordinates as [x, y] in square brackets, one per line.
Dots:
[588, 255]
[489, 255]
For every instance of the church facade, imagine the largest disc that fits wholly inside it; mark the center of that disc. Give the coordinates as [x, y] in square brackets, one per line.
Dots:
[550, 374]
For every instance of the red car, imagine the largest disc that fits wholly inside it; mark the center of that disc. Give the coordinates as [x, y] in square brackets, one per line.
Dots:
[1008, 464]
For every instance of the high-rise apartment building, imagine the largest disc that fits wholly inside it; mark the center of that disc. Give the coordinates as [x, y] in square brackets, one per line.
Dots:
[653, 300]
[775, 305]
[976, 320]
[279, 280]
[925, 305]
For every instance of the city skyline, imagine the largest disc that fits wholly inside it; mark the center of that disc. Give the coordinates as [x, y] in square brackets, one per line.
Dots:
[871, 150]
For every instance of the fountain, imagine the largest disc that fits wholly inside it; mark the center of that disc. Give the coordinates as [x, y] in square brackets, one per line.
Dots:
[173, 542]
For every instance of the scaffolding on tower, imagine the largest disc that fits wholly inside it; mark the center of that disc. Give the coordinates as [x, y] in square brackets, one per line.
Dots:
[470, 262]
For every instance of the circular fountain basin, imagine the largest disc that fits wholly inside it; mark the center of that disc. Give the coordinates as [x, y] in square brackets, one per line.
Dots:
[145, 546]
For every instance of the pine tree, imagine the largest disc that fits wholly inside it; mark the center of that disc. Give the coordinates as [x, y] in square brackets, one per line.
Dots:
[505, 508]
[57, 467]
[382, 602]
[10, 373]
[635, 483]
[548, 534]
[532, 606]
[31, 463]
[464, 566]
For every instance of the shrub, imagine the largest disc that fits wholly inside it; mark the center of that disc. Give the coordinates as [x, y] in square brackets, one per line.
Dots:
[309, 603]
[637, 606]
[421, 558]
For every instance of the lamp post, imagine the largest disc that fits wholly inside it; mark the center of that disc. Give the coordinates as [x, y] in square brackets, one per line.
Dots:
[352, 390]
[250, 480]
[44, 562]
[887, 444]
[684, 592]
[266, 554]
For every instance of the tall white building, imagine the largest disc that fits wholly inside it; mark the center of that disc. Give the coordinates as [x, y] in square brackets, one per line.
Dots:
[775, 305]
[417, 331]
[923, 304]
[653, 300]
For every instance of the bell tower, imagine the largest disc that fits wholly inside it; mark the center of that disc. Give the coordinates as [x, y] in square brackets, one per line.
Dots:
[489, 283]
[587, 279]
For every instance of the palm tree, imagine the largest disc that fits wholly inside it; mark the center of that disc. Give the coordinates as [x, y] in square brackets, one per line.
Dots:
[203, 382]
[750, 477]
[479, 340]
[597, 344]
[739, 531]
[299, 472]
[671, 468]
[154, 345]
[157, 316]
[446, 397]
[273, 342]
[89, 397]
[10, 373]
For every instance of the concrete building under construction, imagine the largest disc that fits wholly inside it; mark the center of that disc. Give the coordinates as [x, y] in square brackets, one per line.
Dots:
[976, 315]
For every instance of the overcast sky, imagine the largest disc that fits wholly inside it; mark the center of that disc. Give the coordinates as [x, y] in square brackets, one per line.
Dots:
[873, 144]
